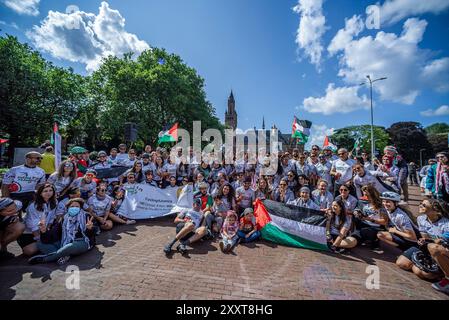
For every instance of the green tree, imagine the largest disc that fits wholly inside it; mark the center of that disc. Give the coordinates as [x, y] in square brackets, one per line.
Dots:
[154, 90]
[409, 138]
[437, 128]
[346, 137]
[33, 94]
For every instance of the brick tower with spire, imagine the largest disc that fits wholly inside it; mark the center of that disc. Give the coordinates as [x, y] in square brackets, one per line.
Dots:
[230, 114]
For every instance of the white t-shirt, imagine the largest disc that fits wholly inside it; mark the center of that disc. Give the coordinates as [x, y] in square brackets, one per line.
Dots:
[24, 179]
[100, 206]
[86, 187]
[435, 229]
[34, 216]
[248, 197]
[171, 169]
[194, 216]
[121, 158]
[59, 183]
[344, 168]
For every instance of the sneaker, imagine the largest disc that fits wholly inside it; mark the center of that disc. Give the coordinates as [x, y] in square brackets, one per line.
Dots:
[63, 260]
[130, 222]
[167, 249]
[37, 259]
[221, 246]
[182, 248]
[228, 247]
[442, 286]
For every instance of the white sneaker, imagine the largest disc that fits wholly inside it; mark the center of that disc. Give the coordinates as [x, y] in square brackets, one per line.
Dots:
[130, 221]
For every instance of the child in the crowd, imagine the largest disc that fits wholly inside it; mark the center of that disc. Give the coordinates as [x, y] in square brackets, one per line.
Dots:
[229, 232]
[248, 231]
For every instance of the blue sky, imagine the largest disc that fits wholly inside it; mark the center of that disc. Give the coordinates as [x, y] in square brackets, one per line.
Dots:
[250, 46]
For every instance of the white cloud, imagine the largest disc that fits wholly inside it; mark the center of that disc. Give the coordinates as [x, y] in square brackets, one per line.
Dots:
[395, 10]
[86, 37]
[409, 69]
[311, 28]
[441, 111]
[317, 134]
[336, 100]
[352, 28]
[26, 7]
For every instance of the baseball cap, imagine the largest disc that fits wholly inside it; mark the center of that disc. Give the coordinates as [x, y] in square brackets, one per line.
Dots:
[248, 211]
[389, 195]
[304, 189]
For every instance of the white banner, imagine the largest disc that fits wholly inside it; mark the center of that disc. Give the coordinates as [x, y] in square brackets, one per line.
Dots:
[57, 150]
[144, 201]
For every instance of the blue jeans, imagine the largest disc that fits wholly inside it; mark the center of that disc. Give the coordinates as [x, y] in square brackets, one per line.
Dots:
[54, 251]
[232, 242]
[251, 238]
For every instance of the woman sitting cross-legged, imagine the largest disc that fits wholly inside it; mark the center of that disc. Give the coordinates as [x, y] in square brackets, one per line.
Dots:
[72, 235]
[339, 224]
[100, 205]
[370, 218]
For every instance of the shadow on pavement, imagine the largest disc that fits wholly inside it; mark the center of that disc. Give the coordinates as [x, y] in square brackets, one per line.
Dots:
[12, 271]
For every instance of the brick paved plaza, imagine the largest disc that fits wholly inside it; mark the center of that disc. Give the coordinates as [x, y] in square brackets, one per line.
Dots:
[128, 263]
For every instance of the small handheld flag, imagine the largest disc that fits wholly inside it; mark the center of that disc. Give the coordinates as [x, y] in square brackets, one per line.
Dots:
[170, 135]
[327, 143]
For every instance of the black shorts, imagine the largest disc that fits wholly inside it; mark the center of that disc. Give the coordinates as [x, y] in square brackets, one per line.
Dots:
[402, 243]
[409, 252]
[25, 239]
[179, 227]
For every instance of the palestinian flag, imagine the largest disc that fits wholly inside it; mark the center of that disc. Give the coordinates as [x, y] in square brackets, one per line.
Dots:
[170, 135]
[291, 225]
[327, 143]
[301, 130]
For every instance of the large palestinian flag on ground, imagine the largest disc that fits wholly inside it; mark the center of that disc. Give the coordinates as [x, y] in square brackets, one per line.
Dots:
[291, 225]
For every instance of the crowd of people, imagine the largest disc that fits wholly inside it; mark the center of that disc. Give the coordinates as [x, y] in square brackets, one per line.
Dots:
[56, 215]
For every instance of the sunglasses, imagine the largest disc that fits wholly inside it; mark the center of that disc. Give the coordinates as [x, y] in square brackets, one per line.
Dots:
[344, 190]
[101, 190]
[422, 204]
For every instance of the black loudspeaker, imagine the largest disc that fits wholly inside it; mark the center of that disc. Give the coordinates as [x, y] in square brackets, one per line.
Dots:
[130, 131]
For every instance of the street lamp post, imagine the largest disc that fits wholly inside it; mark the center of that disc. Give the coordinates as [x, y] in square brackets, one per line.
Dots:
[420, 157]
[372, 116]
